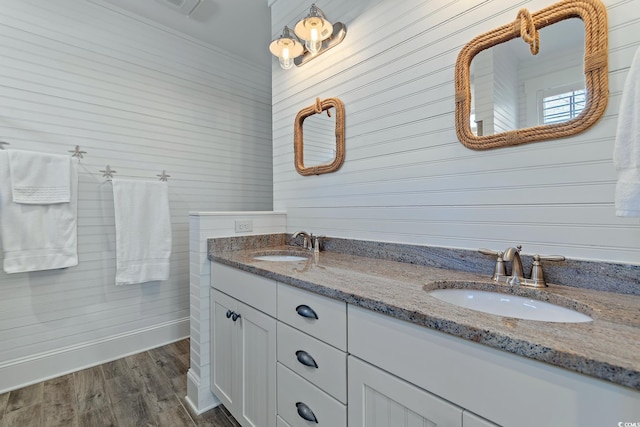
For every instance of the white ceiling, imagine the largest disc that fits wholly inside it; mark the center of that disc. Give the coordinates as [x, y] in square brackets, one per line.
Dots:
[239, 26]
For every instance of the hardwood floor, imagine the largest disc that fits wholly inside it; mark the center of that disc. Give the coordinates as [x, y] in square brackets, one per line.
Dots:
[146, 389]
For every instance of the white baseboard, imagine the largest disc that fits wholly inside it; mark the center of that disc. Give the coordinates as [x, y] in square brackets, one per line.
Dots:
[32, 369]
[199, 397]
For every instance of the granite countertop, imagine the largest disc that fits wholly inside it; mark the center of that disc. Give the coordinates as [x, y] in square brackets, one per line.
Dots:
[607, 348]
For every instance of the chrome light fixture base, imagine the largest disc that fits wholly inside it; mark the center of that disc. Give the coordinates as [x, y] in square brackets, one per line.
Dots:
[339, 32]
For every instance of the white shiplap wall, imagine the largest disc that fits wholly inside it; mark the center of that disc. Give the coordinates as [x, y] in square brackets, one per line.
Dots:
[142, 99]
[406, 178]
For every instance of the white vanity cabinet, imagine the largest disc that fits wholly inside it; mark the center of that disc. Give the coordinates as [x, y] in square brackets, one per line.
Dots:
[487, 385]
[243, 345]
[377, 398]
[312, 359]
[293, 358]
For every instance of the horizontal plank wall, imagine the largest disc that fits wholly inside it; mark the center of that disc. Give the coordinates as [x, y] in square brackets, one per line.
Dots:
[406, 178]
[202, 226]
[141, 99]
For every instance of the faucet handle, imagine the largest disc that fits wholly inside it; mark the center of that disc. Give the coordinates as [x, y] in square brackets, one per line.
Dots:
[499, 270]
[487, 251]
[549, 257]
[537, 274]
[316, 243]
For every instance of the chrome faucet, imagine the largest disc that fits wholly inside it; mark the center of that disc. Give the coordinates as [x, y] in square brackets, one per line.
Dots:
[307, 239]
[512, 255]
[310, 242]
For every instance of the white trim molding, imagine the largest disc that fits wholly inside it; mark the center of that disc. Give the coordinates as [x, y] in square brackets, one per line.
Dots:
[32, 369]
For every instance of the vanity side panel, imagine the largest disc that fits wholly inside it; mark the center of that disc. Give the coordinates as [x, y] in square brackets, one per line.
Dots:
[503, 388]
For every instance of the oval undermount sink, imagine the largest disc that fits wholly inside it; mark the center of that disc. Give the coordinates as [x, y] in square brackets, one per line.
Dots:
[509, 305]
[280, 258]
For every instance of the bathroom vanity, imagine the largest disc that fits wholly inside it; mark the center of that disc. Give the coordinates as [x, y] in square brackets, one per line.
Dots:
[336, 339]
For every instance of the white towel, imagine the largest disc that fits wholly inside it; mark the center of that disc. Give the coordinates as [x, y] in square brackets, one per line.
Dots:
[38, 178]
[37, 237]
[143, 231]
[626, 153]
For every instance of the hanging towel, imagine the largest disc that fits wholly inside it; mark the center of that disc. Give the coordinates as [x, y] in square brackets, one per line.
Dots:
[37, 237]
[626, 153]
[38, 178]
[143, 231]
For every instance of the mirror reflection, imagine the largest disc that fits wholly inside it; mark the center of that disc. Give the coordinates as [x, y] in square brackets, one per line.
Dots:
[548, 108]
[319, 139]
[513, 89]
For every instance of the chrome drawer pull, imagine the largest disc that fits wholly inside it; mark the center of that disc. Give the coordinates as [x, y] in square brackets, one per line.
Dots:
[306, 359]
[306, 311]
[305, 412]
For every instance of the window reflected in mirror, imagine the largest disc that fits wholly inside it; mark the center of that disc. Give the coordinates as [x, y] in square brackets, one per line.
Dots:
[513, 89]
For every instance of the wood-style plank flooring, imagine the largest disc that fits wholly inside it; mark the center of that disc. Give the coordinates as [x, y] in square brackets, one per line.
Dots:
[146, 389]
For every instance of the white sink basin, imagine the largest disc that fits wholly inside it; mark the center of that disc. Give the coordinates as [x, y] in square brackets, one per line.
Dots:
[280, 258]
[509, 305]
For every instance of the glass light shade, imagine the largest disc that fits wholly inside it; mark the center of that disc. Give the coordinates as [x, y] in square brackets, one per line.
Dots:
[286, 63]
[314, 29]
[286, 48]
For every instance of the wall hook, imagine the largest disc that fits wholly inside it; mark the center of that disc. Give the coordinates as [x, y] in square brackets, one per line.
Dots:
[77, 152]
[163, 177]
[108, 173]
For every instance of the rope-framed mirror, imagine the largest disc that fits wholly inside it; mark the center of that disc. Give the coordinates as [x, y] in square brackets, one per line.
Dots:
[527, 25]
[323, 152]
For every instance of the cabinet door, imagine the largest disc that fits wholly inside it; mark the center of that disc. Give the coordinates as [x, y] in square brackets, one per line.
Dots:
[379, 399]
[224, 351]
[243, 364]
[257, 344]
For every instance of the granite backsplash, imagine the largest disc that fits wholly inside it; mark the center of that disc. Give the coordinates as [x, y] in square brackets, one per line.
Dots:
[601, 276]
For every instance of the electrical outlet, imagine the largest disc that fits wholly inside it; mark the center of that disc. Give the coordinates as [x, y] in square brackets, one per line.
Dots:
[244, 225]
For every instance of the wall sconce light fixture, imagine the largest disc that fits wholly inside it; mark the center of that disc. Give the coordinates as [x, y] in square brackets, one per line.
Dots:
[286, 48]
[313, 36]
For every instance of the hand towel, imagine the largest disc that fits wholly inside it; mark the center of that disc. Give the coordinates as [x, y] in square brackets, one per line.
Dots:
[143, 231]
[37, 237]
[626, 153]
[38, 178]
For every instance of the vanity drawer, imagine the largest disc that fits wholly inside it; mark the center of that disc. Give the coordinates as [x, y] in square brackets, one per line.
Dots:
[319, 316]
[256, 291]
[297, 396]
[296, 348]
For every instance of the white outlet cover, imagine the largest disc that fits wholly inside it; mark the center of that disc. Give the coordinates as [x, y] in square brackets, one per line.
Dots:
[244, 225]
